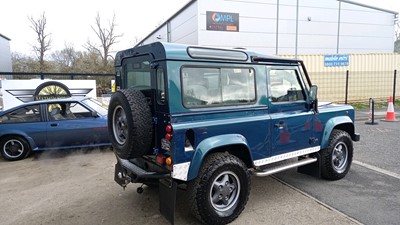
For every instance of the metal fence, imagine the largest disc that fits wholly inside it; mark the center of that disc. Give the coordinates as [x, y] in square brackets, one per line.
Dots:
[367, 76]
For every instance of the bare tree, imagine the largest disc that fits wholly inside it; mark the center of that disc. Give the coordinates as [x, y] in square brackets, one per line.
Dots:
[106, 36]
[67, 58]
[43, 39]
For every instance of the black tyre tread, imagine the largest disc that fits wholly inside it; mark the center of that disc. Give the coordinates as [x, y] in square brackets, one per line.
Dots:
[327, 172]
[27, 147]
[140, 123]
[209, 166]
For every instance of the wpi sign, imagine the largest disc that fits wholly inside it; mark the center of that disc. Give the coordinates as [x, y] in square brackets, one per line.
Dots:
[223, 21]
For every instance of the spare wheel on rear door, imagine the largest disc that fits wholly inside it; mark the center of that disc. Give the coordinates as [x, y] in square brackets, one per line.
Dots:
[130, 124]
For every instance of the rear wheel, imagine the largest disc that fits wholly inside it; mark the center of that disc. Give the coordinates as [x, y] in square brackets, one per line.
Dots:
[130, 123]
[336, 159]
[14, 148]
[220, 192]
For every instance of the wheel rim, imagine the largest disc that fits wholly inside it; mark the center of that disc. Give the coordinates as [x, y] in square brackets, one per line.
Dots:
[120, 125]
[224, 191]
[339, 157]
[13, 148]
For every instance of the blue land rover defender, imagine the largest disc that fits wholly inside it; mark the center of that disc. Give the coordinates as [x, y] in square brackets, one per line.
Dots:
[207, 119]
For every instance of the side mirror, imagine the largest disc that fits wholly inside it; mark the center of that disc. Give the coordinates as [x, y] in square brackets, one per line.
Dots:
[313, 98]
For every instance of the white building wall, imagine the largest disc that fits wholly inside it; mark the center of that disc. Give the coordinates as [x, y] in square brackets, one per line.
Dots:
[159, 35]
[365, 30]
[323, 27]
[5, 55]
[318, 26]
[183, 28]
[257, 24]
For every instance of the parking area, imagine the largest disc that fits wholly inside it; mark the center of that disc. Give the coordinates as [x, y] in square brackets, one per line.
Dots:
[77, 187]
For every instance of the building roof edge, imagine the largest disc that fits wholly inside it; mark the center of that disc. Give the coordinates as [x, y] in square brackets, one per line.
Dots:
[368, 6]
[8, 39]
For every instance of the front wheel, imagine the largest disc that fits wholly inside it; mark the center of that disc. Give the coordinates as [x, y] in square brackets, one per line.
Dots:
[336, 159]
[220, 192]
[14, 148]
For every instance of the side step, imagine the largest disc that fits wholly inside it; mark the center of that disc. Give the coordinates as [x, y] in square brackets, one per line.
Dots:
[279, 168]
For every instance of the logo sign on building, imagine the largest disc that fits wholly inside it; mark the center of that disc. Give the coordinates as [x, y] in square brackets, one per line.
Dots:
[16, 92]
[223, 21]
[336, 60]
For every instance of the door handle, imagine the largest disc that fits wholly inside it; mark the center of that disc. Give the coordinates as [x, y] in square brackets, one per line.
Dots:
[54, 124]
[280, 125]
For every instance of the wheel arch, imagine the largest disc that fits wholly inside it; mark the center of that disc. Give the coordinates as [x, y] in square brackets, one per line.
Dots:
[234, 144]
[30, 141]
[340, 123]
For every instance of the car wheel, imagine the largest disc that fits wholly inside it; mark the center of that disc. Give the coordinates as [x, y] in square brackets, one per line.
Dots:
[336, 159]
[130, 124]
[220, 192]
[14, 148]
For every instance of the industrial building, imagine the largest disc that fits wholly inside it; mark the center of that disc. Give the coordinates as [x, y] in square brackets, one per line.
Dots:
[281, 26]
[5, 54]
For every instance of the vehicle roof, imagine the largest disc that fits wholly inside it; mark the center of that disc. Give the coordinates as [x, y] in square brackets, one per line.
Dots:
[174, 51]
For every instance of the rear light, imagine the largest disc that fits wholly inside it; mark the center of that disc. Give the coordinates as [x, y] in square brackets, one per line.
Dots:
[169, 130]
[168, 160]
[168, 137]
[160, 159]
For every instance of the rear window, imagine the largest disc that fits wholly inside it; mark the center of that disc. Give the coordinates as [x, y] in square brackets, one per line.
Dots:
[137, 73]
[208, 87]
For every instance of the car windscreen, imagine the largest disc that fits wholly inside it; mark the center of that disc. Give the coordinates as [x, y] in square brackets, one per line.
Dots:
[95, 105]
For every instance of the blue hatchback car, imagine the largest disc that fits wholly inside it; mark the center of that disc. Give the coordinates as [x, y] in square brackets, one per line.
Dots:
[52, 124]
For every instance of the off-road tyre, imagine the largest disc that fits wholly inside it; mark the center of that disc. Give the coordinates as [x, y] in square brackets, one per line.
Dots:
[337, 157]
[14, 148]
[130, 124]
[205, 186]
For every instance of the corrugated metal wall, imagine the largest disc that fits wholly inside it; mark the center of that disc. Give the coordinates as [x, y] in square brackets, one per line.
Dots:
[370, 76]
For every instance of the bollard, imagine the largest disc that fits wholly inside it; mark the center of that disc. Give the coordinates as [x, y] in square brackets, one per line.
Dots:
[371, 114]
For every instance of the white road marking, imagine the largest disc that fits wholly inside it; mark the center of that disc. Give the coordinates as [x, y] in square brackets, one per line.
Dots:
[377, 169]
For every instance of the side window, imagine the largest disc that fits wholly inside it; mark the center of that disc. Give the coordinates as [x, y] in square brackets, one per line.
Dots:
[79, 111]
[22, 115]
[286, 85]
[217, 86]
[160, 86]
[68, 111]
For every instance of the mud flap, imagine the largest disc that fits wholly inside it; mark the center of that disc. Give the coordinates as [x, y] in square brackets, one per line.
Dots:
[167, 196]
[313, 169]
[119, 175]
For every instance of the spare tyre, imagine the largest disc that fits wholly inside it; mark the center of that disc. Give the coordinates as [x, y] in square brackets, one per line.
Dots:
[130, 124]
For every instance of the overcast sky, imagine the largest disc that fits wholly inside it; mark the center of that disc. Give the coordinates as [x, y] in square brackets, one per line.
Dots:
[70, 21]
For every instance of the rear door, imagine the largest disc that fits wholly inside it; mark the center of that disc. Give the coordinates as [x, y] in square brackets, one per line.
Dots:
[292, 120]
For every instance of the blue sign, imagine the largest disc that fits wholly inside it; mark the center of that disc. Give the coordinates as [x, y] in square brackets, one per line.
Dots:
[336, 60]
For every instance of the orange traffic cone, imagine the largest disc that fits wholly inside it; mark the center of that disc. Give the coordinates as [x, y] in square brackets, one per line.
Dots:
[390, 114]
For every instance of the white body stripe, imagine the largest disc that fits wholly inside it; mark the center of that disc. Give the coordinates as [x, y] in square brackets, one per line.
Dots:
[288, 155]
[180, 171]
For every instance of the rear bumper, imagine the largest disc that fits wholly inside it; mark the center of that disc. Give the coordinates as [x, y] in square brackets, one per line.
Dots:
[127, 171]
